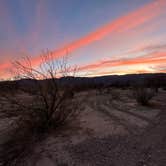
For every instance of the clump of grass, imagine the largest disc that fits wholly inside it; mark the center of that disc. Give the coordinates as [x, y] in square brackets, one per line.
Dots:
[143, 95]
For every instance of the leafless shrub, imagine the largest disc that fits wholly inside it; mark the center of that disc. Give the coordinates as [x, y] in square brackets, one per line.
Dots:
[51, 105]
[143, 95]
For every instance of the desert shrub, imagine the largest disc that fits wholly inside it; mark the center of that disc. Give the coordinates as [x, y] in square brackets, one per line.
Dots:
[143, 95]
[30, 126]
[50, 106]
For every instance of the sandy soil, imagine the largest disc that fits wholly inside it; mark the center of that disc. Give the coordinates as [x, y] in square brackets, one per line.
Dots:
[111, 130]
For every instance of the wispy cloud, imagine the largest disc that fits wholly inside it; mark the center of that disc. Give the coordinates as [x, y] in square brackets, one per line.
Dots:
[149, 48]
[122, 24]
[153, 58]
[125, 23]
[160, 68]
[118, 72]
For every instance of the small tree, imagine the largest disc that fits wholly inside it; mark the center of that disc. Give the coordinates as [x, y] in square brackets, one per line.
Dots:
[51, 104]
[52, 100]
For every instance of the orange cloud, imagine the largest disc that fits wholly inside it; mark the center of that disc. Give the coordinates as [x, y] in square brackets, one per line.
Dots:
[118, 72]
[127, 22]
[130, 21]
[154, 58]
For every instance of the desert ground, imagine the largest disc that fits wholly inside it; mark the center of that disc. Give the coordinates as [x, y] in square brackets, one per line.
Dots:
[111, 129]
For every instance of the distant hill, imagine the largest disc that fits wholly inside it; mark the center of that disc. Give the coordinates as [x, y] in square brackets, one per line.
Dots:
[157, 79]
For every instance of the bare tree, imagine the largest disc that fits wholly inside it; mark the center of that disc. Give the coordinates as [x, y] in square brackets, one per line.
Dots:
[50, 96]
[51, 103]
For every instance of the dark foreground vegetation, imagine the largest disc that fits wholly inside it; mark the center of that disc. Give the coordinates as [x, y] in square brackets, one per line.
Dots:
[37, 106]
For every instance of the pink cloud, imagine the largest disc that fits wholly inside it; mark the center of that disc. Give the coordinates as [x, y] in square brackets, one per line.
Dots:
[154, 58]
[125, 23]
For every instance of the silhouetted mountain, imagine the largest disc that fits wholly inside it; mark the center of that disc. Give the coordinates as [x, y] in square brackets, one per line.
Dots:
[157, 79]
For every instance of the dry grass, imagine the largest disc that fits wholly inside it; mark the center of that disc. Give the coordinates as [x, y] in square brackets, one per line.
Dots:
[143, 95]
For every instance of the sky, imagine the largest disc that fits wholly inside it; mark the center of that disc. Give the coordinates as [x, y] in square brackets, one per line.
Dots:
[101, 37]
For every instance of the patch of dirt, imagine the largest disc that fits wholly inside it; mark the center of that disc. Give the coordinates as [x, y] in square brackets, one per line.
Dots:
[145, 149]
[109, 131]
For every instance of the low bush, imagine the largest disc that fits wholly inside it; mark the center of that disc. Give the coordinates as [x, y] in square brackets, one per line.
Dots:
[143, 95]
[50, 107]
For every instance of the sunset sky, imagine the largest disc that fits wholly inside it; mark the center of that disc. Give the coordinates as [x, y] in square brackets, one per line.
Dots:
[101, 37]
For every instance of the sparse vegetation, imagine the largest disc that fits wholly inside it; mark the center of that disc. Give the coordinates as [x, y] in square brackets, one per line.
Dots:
[143, 95]
[50, 105]
[39, 104]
